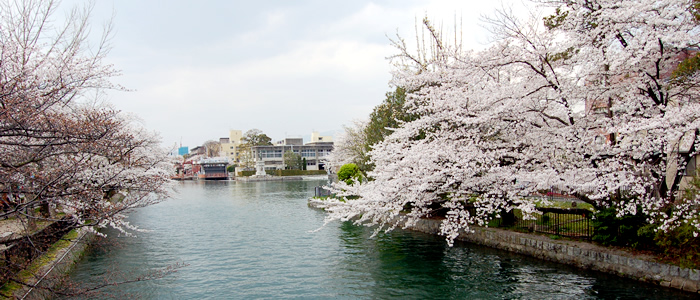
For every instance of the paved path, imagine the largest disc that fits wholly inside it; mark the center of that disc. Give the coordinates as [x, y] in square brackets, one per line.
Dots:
[9, 226]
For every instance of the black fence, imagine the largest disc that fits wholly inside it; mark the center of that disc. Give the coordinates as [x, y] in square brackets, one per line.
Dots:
[566, 222]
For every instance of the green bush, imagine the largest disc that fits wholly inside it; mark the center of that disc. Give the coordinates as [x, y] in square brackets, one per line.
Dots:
[349, 173]
[680, 245]
[629, 231]
[246, 173]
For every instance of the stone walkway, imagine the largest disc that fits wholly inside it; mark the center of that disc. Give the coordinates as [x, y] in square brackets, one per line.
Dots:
[11, 226]
[9, 229]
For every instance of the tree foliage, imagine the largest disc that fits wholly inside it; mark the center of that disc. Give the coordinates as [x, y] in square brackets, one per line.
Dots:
[355, 144]
[252, 138]
[392, 113]
[584, 104]
[387, 116]
[349, 173]
[293, 161]
[255, 137]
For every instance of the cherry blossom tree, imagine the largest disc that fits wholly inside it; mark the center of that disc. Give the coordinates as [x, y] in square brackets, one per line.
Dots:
[61, 148]
[582, 101]
[627, 52]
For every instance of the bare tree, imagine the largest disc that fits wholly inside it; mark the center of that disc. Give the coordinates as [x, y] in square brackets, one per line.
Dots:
[212, 148]
[350, 147]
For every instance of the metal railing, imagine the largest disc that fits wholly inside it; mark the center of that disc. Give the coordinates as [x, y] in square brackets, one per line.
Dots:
[565, 222]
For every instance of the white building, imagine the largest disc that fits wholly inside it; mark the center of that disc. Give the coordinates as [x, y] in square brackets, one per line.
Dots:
[313, 152]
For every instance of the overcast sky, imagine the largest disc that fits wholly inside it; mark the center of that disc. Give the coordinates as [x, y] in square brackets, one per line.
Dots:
[200, 68]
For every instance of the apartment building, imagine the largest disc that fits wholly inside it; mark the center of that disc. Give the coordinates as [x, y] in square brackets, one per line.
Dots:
[230, 146]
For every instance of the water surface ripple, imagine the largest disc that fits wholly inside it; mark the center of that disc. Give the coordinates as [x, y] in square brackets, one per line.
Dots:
[257, 241]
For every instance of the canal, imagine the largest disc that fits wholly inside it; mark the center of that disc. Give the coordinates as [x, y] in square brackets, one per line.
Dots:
[256, 240]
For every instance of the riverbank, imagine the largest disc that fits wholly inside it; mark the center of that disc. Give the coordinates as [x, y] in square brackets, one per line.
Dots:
[46, 271]
[575, 253]
[268, 178]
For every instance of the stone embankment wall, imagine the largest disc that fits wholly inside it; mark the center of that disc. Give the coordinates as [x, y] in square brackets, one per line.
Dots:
[49, 274]
[580, 254]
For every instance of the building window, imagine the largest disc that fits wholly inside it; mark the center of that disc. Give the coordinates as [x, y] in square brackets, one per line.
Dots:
[323, 153]
[308, 153]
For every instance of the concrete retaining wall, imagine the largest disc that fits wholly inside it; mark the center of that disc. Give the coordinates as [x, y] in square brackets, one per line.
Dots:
[580, 254]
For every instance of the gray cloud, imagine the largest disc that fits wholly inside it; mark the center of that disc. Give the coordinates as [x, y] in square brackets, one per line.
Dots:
[200, 68]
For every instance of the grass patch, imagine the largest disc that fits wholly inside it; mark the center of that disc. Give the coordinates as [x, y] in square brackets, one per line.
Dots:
[564, 204]
[324, 198]
[494, 223]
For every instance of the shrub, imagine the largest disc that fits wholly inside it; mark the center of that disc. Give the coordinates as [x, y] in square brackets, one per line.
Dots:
[680, 245]
[246, 173]
[629, 230]
[349, 173]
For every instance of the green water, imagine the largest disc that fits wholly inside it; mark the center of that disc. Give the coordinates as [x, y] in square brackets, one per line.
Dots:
[257, 241]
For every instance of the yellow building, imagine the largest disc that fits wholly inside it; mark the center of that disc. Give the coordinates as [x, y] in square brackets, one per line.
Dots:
[317, 138]
[230, 146]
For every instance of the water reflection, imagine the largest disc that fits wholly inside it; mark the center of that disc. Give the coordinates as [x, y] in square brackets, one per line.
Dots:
[418, 266]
